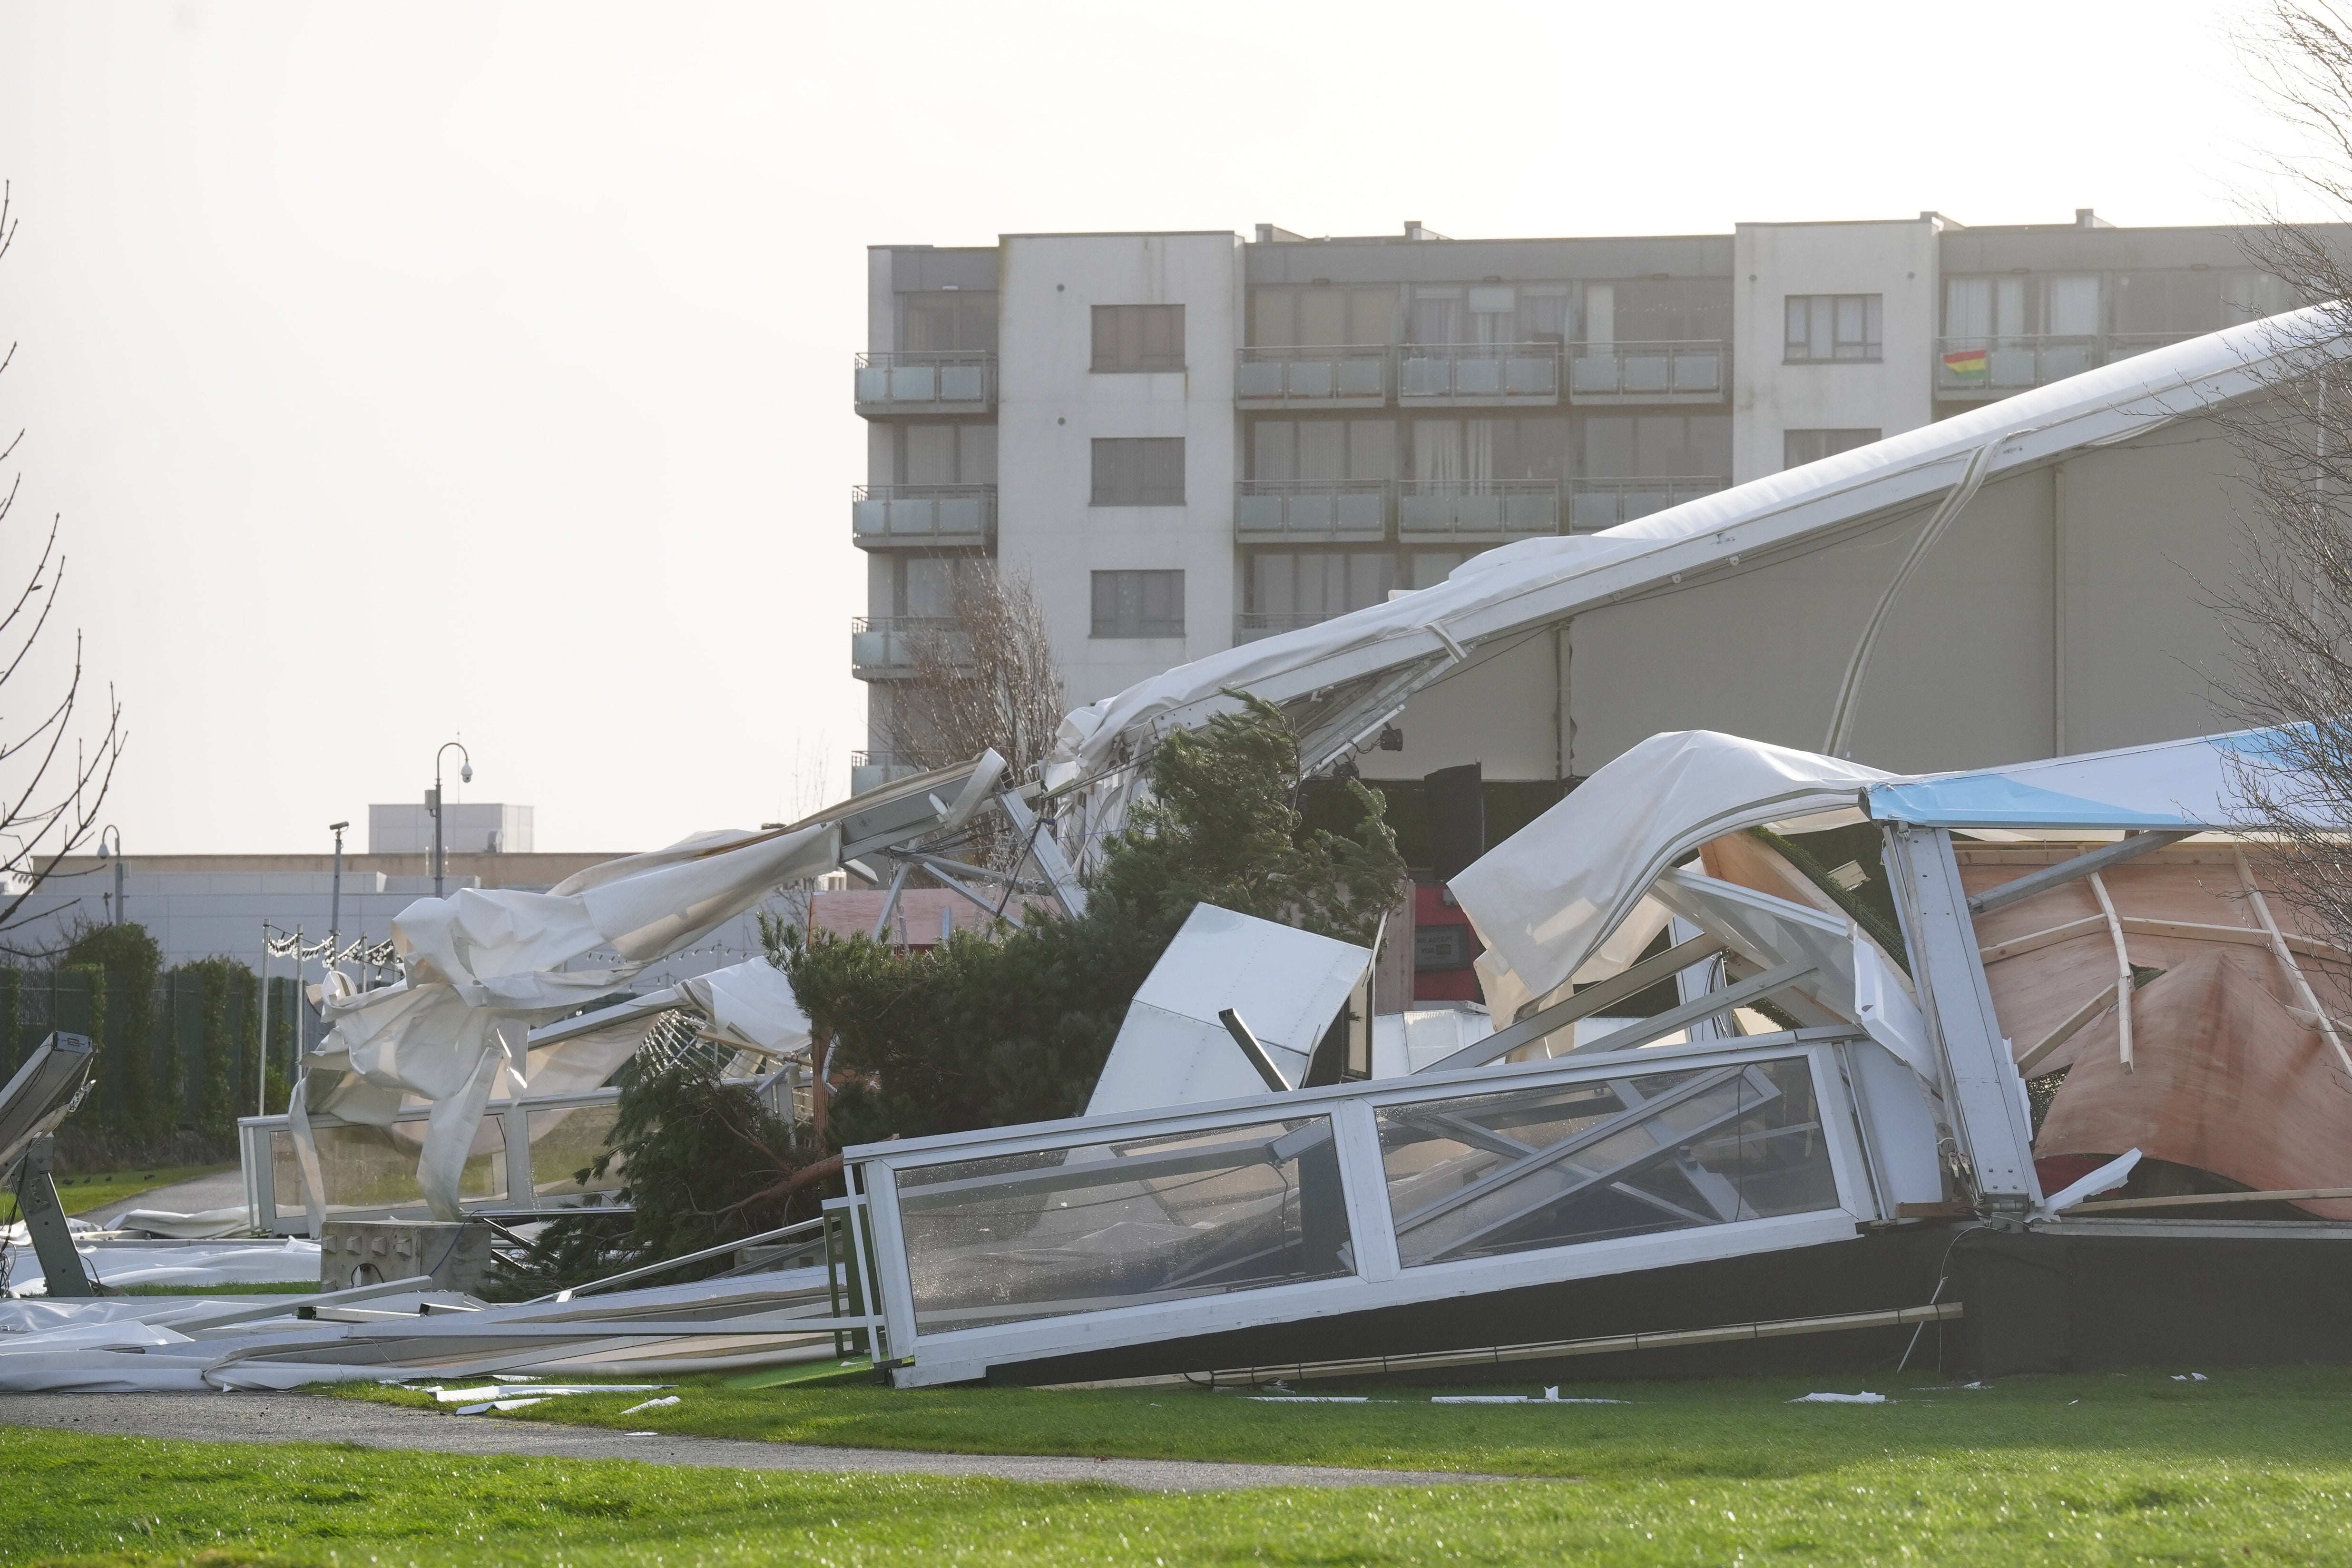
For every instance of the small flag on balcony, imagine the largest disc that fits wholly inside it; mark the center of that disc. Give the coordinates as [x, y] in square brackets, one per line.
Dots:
[1966, 365]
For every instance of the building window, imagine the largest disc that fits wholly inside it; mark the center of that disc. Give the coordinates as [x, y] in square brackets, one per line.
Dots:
[1138, 337]
[947, 321]
[1828, 327]
[1145, 470]
[1299, 588]
[1799, 448]
[1139, 604]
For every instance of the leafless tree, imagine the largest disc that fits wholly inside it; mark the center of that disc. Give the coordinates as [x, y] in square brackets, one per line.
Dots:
[985, 679]
[54, 773]
[2288, 606]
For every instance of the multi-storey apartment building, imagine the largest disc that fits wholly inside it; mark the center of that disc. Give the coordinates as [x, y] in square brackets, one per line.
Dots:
[1191, 440]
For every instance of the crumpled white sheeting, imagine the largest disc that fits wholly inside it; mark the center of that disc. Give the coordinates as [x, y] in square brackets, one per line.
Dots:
[202, 1224]
[127, 1344]
[484, 965]
[749, 1005]
[1549, 895]
[124, 1264]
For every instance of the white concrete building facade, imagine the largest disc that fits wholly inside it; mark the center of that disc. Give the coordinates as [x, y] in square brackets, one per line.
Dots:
[1188, 440]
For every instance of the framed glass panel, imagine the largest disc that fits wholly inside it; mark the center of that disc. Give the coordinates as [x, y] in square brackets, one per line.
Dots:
[1537, 1168]
[564, 1142]
[1011, 1237]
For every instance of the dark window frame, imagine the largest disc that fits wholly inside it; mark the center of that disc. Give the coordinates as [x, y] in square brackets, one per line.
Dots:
[1138, 340]
[1122, 604]
[1869, 348]
[1136, 470]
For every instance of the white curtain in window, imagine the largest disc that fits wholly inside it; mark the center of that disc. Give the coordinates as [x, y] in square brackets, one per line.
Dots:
[1601, 313]
[2074, 305]
[1437, 451]
[1437, 316]
[931, 455]
[2008, 321]
[1322, 450]
[1968, 307]
[1478, 451]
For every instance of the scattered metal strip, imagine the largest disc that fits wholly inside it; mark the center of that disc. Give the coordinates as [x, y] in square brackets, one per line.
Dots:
[2194, 1200]
[1498, 1355]
[292, 1306]
[663, 1267]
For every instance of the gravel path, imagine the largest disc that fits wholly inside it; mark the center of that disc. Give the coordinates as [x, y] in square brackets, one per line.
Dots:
[311, 1418]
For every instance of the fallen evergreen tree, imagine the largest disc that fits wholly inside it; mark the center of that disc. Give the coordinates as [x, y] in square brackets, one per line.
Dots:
[987, 1029]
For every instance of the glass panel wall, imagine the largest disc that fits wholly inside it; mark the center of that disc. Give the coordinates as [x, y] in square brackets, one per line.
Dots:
[1016, 1237]
[1527, 1169]
[951, 319]
[1322, 450]
[1323, 317]
[1299, 587]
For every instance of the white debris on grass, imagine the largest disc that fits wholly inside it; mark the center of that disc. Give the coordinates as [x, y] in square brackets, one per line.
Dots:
[650, 1405]
[2190, 1377]
[491, 1405]
[508, 1391]
[193, 1344]
[1864, 1397]
[123, 1264]
[1549, 1397]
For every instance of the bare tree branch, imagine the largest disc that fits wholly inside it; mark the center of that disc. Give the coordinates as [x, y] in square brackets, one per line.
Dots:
[48, 809]
[986, 677]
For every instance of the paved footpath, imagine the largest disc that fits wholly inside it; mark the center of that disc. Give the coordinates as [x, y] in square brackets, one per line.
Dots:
[311, 1418]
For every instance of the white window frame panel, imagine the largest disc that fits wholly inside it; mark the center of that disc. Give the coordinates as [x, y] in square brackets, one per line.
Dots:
[961, 1354]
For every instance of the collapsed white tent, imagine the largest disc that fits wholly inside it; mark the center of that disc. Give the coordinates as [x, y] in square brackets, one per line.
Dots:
[1342, 681]
[1547, 898]
[482, 966]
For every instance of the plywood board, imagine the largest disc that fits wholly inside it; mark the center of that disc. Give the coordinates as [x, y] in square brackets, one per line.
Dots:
[2225, 1079]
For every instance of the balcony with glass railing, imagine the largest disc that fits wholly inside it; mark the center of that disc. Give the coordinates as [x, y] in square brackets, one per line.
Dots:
[871, 770]
[1312, 377]
[1604, 503]
[1989, 367]
[1479, 511]
[1311, 511]
[1477, 376]
[892, 648]
[1697, 371]
[945, 381]
[911, 517]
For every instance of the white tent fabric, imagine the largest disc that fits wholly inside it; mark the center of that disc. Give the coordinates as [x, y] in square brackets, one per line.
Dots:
[123, 1264]
[2172, 784]
[1389, 649]
[484, 965]
[1547, 897]
[750, 1005]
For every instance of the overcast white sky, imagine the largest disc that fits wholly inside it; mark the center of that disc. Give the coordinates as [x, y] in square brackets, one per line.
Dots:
[403, 372]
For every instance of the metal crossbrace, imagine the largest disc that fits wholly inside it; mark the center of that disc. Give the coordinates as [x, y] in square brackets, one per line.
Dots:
[1636, 1109]
[1611, 1175]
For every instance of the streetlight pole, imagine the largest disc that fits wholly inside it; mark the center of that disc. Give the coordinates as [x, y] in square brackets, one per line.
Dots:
[335, 899]
[433, 801]
[114, 854]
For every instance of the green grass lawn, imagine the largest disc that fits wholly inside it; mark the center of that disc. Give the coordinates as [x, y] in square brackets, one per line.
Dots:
[110, 1190]
[1719, 1475]
[2248, 1467]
